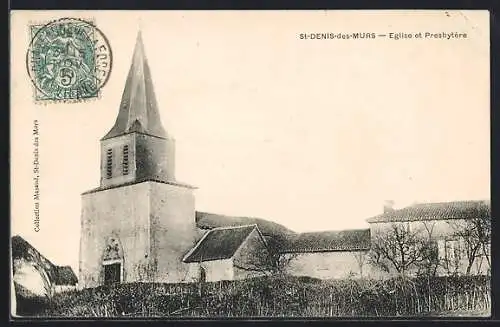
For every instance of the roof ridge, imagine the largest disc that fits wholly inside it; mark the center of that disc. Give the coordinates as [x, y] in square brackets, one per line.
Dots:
[447, 202]
[460, 209]
[232, 216]
[336, 231]
[232, 227]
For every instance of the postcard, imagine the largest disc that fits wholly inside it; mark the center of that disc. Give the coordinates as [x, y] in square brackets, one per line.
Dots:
[263, 164]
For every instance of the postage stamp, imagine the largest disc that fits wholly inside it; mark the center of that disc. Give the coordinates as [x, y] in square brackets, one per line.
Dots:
[68, 60]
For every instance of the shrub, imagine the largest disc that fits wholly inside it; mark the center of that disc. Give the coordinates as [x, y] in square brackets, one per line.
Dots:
[276, 297]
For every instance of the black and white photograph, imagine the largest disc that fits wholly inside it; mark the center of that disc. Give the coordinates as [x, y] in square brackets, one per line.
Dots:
[250, 164]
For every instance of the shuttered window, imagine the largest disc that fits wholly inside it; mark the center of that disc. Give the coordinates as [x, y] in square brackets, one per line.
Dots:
[109, 163]
[125, 160]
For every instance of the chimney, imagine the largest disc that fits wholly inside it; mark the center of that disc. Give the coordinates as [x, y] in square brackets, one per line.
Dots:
[388, 206]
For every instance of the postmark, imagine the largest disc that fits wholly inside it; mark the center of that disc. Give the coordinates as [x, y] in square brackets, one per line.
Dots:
[68, 60]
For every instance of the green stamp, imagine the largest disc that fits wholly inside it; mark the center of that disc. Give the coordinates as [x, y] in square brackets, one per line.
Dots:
[68, 60]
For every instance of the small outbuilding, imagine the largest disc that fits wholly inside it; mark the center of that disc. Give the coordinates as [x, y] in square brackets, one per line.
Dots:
[228, 253]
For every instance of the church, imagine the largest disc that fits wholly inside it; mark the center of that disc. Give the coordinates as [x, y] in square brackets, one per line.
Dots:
[140, 224]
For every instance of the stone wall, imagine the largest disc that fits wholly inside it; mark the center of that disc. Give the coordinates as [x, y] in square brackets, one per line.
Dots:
[218, 270]
[329, 265]
[154, 223]
[155, 157]
[215, 270]
[173, 231]
[121, 212]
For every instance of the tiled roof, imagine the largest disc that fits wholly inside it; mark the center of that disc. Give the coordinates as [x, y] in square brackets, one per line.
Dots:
[205, 220]
[329, 241]
[437, 211]
[219, 243]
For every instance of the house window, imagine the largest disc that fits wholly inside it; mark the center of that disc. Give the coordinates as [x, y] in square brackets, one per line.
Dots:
[454, 249]
[109, 163]
[125, 160]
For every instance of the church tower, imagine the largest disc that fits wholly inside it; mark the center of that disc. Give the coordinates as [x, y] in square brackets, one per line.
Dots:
[140, 222]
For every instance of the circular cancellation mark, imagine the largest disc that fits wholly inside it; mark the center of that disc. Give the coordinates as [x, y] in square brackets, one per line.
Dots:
[68, 60]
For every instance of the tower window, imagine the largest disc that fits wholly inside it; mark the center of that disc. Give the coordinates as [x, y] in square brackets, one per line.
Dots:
[125, 160]
[109, 163]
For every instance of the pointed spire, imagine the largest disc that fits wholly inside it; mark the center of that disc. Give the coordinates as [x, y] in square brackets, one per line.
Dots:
[138, 108]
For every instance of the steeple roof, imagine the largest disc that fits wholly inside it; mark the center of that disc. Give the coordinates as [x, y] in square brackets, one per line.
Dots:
[138, 108]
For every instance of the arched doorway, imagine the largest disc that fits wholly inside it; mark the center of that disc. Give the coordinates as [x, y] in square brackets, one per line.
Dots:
[112, 262]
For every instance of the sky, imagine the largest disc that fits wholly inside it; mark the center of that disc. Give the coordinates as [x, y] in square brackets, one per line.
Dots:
[312, 134]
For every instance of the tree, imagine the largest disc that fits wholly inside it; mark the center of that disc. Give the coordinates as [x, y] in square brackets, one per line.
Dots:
[360, 257]
[430, 255]
[475, 235]
[399, 249]
[273, 259]
[278, 259]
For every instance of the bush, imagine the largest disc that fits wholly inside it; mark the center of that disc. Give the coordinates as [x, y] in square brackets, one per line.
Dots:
[276, 297]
